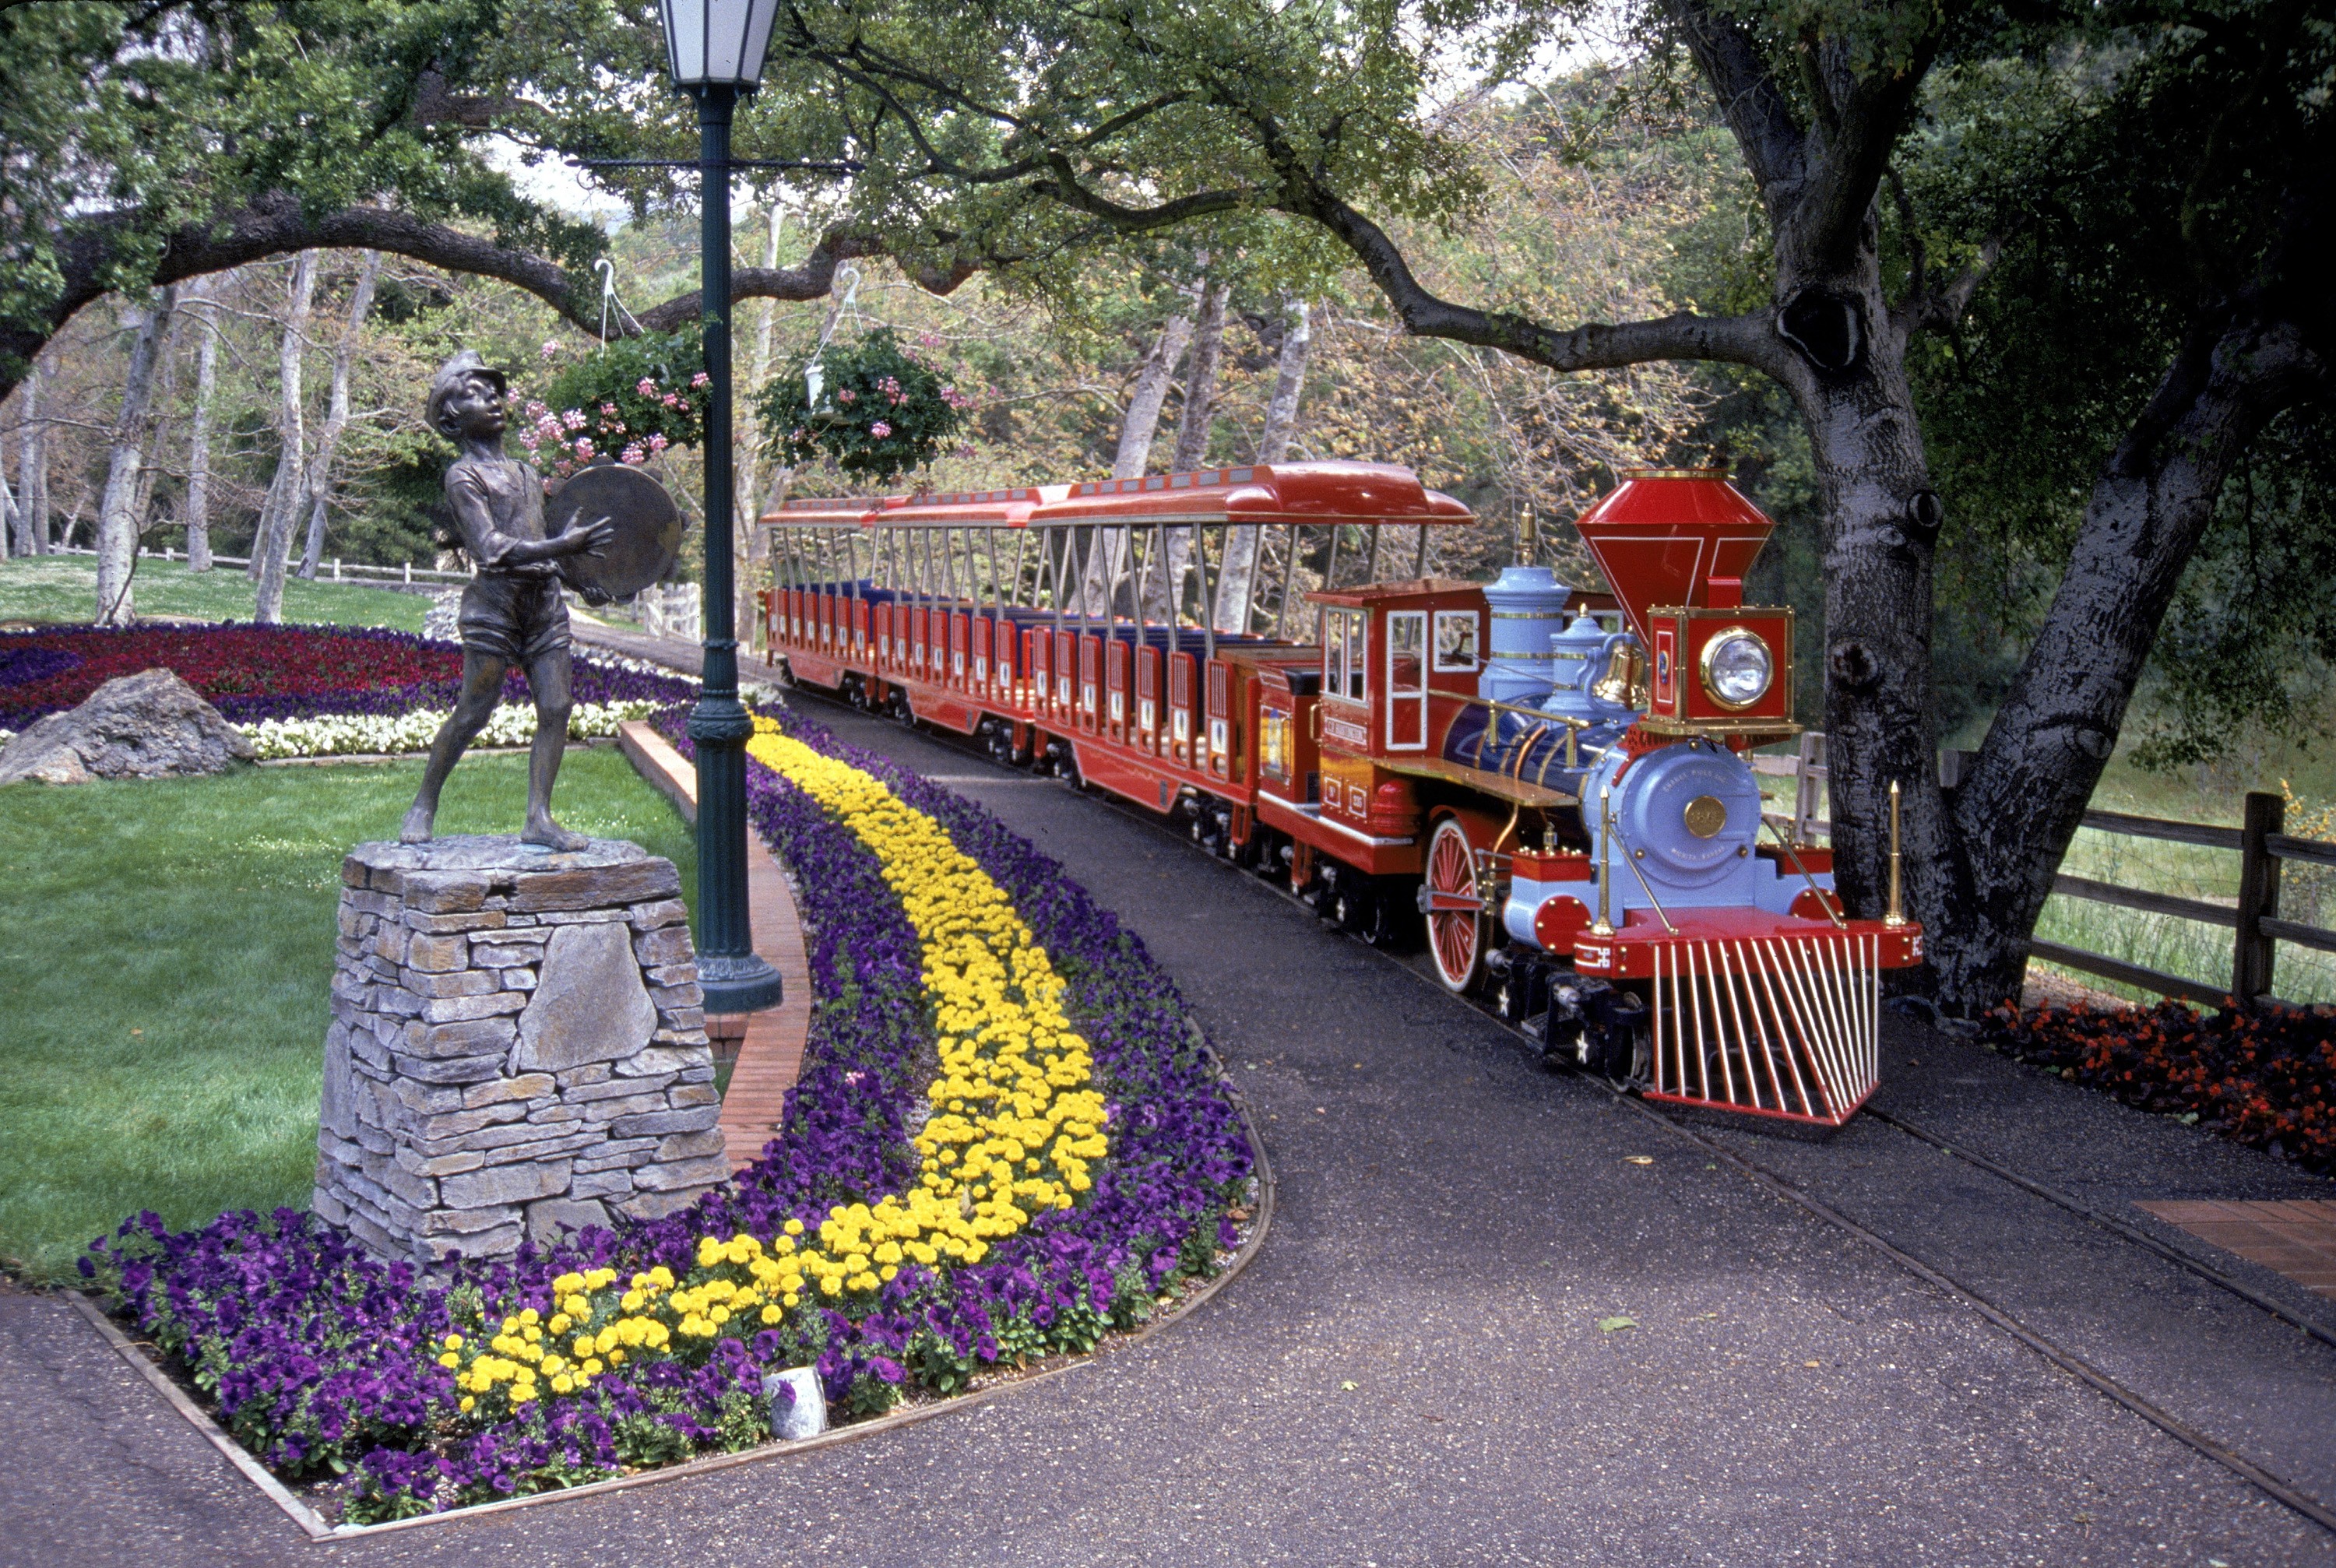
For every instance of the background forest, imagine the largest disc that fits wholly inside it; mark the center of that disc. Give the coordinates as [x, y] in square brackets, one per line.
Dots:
[280, 411]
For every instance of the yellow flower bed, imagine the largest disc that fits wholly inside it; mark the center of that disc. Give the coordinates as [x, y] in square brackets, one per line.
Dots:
[1016, 1123]
[1016, 1120]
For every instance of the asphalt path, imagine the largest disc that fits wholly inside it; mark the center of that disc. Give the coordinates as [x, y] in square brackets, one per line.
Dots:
[1421, 1366]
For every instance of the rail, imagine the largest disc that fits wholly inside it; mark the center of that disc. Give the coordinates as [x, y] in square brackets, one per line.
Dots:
[356, 571]
[2252, 919]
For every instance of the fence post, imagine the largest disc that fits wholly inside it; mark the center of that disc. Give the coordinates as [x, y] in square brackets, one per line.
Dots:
[2253, 953]
[1810, 765]
[409, 573]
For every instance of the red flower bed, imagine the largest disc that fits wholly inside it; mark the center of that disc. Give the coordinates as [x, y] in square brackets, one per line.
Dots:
[58, 669]
[2265, 1077]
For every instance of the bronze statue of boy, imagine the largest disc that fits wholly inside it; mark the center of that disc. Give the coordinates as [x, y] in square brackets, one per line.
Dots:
[511, 613]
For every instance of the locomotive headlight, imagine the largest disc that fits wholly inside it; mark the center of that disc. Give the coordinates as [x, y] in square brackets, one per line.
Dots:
[1738, 667]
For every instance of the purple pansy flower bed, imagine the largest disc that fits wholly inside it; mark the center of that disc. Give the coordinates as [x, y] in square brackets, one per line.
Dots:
[320, 1357]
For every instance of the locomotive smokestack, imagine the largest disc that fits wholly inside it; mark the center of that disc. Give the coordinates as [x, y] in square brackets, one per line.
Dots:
[1674, 537]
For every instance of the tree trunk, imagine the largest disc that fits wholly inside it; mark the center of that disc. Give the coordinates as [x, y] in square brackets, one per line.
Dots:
[271, 542]
[2012, 819]
[1164, 592]
[1879, 718]
[1289, 382]
[165, 400]
[336, 413]
[198, 444]
[1107, 548]
[1201, 381]
[10, 529]
[117, 520]
[1237, 576]
[33, 469]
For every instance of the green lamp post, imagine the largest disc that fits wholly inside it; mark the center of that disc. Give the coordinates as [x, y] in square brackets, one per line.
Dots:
[715, 49]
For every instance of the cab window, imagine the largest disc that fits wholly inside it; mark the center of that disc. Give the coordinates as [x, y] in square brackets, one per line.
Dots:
[1344, 670]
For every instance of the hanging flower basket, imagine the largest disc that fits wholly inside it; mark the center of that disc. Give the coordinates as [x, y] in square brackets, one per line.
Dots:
[881, 411]
[637, 398]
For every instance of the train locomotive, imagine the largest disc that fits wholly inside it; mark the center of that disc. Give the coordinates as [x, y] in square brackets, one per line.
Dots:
[1551, 787]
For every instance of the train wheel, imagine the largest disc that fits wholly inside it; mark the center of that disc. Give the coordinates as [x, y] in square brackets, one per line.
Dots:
[1455, 922]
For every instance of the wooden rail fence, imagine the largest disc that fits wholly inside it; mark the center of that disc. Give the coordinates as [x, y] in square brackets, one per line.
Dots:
[2253, 920]
[342, 572]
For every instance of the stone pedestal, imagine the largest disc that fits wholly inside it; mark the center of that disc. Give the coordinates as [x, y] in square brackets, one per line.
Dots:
[517, 1044]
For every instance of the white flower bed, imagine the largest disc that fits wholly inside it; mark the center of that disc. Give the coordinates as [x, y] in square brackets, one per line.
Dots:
[382, 734]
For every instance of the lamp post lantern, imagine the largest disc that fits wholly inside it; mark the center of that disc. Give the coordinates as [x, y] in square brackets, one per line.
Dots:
[714, 48]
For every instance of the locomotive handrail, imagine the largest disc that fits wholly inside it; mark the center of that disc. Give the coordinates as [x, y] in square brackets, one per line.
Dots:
[1630, 859]
[1794, 855]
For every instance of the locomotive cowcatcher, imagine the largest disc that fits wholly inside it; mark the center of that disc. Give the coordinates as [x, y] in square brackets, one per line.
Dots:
[1551, 786]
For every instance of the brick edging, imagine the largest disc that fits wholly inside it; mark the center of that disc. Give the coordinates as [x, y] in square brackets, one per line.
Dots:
[770, 1057]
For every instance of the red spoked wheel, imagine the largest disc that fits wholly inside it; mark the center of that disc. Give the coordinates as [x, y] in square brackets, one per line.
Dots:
[1456, 917]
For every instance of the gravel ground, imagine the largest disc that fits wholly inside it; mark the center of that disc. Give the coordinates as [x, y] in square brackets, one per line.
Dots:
[1414, 1371]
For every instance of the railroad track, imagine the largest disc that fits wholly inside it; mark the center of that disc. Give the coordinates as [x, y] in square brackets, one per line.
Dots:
[2061, 1356]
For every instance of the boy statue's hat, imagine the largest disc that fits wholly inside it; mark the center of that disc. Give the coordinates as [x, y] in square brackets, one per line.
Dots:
[451, 374]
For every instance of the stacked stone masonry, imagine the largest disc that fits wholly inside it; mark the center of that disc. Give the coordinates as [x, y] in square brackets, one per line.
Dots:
[517, 1045]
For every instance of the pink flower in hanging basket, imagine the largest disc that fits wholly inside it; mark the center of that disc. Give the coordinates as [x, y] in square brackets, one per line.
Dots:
[657, 443]
[701, 379]
[634, 455]
[583, 449]
[573, 419]
[847, 397]
[550, 349]
[671, 400]
[880, 429]
[535, 409]
[645, 387]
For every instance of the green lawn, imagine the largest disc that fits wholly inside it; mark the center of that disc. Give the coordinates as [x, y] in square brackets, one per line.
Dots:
[64, 588]
[165, 972]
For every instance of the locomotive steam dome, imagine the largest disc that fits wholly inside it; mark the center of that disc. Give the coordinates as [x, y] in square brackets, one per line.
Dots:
[1528, 607]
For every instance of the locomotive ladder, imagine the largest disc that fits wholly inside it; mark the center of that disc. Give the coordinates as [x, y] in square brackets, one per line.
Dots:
[1779, 1027]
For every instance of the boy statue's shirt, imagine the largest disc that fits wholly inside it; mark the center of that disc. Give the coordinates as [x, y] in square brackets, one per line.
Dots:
[497, 502]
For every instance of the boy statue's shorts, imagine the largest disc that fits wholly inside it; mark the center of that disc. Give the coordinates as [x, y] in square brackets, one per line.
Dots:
[516, 619]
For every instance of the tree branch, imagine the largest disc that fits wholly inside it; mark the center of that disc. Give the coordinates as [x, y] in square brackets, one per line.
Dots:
[1775, 147]
[274, 225]
[1826, 221]
[1593, 346]
[1941, 308]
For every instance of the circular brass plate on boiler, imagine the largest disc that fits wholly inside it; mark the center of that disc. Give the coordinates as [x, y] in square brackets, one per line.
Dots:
[1706, 816]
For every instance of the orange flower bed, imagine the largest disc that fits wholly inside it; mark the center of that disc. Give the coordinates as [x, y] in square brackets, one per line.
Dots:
[2266, 1077]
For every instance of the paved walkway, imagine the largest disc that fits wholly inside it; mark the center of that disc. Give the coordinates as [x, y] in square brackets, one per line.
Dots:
[1413, 1371]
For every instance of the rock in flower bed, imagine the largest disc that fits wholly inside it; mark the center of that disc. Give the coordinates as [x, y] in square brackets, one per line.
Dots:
[297, 691]
[649, 1343]
[2265, 1077]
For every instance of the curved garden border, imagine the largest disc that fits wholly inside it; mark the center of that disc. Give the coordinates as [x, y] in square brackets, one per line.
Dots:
[314, 1526]
[980, 841]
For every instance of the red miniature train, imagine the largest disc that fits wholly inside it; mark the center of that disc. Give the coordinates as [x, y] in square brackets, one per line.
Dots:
[1560, 800]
